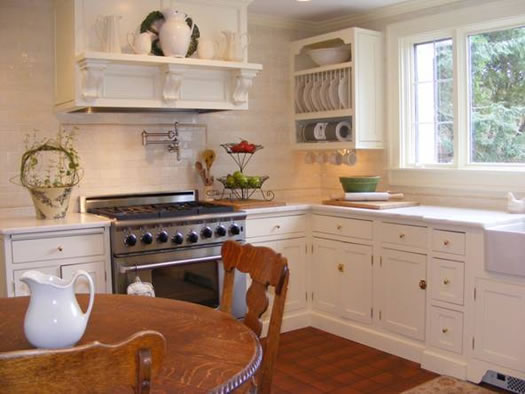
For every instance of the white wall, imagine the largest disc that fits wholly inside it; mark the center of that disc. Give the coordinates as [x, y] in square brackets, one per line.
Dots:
[112, 156]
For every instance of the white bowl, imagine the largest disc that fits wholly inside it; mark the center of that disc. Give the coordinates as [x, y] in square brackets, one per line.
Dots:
[324, 56]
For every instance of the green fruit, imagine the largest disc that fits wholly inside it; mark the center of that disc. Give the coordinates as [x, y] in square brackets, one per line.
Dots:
[254, 181]
[242, 181]
[230, 181]
[237, 175]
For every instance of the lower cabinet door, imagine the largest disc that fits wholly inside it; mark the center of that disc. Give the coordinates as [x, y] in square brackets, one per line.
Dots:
[326, 276]
[499, 323]
[403, 282]
[295, 252]
[96, 270]
[21, 289]
[356, 282]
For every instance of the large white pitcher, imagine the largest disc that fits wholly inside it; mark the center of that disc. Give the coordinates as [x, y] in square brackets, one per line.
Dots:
[54, 318]
[175, 34]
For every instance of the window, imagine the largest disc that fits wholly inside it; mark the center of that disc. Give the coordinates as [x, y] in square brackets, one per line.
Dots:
[497, 96]
[434, 113]
[465, 91]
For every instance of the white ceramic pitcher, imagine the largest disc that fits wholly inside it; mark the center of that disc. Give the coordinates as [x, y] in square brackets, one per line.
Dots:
[234, 49]
[175, 34]
[108, 31]
[54, 318]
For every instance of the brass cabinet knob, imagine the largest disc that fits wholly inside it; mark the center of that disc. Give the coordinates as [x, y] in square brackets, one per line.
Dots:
[444, 330]
[60, 248]
[446, 242]
[339, 226]
[446, 282]
[341, 267]
[422, 284]
[401, 236]
[277, 226]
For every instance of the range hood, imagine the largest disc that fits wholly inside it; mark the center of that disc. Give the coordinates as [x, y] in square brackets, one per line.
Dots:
[90, 80]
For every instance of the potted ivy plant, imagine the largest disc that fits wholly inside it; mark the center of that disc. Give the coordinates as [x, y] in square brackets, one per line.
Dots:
[49, 169]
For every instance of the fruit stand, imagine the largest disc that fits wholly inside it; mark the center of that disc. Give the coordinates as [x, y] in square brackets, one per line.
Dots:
[239, 186]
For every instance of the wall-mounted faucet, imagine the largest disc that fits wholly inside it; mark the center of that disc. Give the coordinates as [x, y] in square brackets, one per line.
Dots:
[171, 138]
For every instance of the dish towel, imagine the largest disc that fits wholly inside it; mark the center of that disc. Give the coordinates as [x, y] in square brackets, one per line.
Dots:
[141, 288]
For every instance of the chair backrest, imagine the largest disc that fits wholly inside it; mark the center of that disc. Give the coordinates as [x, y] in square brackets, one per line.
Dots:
[91, 368]
[266, 268]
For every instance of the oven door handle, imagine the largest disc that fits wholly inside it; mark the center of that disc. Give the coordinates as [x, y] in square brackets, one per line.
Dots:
[165, 264]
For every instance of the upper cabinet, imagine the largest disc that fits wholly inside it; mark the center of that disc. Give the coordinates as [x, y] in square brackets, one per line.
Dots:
[338, 91]
[92, 76]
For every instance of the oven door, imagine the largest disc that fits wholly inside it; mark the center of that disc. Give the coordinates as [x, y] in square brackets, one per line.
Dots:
[176, 276]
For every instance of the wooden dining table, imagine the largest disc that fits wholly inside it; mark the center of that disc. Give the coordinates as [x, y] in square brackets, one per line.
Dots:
[207, 350]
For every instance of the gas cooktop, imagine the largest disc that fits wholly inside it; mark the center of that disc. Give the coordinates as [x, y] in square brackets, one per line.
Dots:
[166, 210]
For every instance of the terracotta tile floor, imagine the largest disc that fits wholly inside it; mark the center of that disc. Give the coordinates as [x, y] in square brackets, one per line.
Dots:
[314, 361]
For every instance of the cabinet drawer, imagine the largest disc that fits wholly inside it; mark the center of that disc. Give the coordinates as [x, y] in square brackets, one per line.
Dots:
[355, 228]
[446, 329]
[447, 280]
[53, 248]
[275, 226]
[448, 242]
[402, 234]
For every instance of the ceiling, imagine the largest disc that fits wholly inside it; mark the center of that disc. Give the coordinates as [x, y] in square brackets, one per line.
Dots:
[316, 10]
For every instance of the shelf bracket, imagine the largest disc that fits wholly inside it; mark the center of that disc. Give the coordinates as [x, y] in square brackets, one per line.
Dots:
[92, 82]
[172, 83]
[242, 83]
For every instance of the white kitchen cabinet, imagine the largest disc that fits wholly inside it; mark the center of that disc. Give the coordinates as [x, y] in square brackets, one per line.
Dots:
[403, 283]
[359, 78]
[342, 279]
[325, 276]
[295, 252]
[95, 270]
[499, 323]
[56, 252]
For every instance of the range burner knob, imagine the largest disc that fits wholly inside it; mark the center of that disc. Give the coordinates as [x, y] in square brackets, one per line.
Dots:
[206, 232]
[193, 237]
[235, 229]
[178, 238]
[163, 236]
[220, 231]
[147, 238]
[130, 240]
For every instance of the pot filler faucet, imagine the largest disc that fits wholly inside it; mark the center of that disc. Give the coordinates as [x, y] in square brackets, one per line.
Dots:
[170, 138]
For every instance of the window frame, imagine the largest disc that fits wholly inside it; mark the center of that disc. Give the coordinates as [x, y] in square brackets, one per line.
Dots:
[461, 97]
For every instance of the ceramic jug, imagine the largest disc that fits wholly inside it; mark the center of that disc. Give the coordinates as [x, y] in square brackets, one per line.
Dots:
[54, 319]
[175, 34]
[234, 49]
[108, 32]
[141, 43]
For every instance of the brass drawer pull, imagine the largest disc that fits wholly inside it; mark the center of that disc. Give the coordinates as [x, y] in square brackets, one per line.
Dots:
[401, 236]
[446, 242]
[60, 248]
[339, 226]
[444, 330]
[341, 267]
[422, 284]
[446, 282]
[277, 227]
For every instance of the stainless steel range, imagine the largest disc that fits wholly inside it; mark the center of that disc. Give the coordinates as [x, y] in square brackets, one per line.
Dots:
[172, 241]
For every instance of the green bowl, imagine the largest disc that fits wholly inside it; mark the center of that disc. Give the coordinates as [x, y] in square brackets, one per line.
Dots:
[352, 184]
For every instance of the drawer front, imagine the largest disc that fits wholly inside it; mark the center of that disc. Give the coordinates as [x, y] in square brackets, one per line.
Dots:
[447, 281]
[446, 329]
[54, 248]
[275, 226]
[448, 242]
[355, 228]
[402, 234]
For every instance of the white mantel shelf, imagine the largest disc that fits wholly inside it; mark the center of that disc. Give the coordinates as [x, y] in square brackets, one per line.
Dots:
[150, 60]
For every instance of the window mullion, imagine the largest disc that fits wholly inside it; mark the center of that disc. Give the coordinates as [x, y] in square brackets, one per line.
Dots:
[461, 139]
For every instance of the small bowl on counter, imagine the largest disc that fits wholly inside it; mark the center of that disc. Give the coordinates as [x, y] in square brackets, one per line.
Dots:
[334, 55]
[359, 184]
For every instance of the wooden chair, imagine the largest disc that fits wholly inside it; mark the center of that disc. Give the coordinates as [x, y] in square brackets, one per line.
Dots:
[266, 268]
[92, 368]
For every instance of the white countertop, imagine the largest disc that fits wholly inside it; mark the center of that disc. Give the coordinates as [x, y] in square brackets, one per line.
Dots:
[29, 223]
[426, 213]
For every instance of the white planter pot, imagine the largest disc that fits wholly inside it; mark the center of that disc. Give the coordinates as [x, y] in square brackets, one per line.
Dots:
[51, 202]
